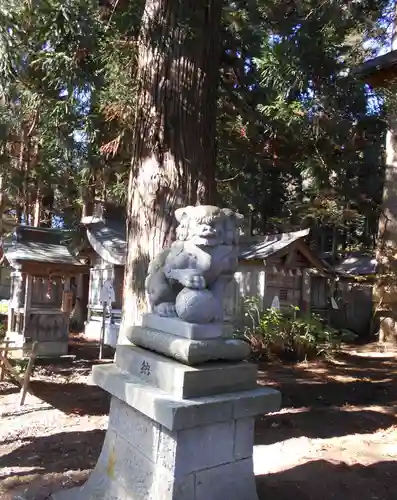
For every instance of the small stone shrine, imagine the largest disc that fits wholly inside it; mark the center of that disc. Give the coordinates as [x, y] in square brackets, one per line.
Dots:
[184, 401]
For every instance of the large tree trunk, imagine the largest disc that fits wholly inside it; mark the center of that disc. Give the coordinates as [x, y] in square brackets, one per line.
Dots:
[174, 132]
[37, 206]
[385, 289]
[21, 167]
[2, 204]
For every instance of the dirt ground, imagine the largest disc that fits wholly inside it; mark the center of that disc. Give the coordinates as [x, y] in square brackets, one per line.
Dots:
[335, 437]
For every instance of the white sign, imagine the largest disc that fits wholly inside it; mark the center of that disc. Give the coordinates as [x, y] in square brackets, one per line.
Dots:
[275, 303]
[107, 292]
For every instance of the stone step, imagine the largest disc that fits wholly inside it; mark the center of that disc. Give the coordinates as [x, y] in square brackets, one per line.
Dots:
[180, 328]
[183, 381]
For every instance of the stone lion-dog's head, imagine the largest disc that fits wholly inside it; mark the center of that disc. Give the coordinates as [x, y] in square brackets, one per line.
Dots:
[206, 225]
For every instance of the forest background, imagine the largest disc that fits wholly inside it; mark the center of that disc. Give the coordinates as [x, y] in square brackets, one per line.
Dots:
[299, 139]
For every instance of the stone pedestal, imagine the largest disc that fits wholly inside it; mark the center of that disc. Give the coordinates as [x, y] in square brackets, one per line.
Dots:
[176, 432]
[188, 343]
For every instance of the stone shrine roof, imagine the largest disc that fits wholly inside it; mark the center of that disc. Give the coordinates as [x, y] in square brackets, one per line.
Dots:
[41, 245]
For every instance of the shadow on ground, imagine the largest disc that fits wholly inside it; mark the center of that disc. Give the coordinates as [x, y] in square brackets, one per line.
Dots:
[6, 389]
[350, 394]
[56, 453]
[88, 350]
[61, 385]
[320, 424]
[71, 397]
[324, 480]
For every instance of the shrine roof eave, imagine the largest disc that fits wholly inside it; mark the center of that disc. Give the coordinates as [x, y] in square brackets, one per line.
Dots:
[379, 70]
[108, 242]
[34, 268]
[40, 253]
[262, 247]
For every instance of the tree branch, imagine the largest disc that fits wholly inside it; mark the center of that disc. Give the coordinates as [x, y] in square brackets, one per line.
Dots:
[230, 178]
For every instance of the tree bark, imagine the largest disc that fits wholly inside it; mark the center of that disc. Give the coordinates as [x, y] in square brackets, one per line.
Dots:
[26, 173]
[88, 203]
[21, 167]
[174, 150]
[37, 206]
[385, 289]
[2, 204]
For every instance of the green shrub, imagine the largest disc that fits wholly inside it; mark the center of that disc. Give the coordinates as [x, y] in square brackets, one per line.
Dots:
[3, 330]
[289, 335]
[19, 365]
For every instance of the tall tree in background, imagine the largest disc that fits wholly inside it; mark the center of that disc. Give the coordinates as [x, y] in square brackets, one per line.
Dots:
[297, 141]
[40, 109]
[295, 132]
[385, 289]
[174, 157]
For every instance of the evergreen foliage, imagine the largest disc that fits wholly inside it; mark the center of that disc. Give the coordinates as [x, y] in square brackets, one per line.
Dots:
[300, 142]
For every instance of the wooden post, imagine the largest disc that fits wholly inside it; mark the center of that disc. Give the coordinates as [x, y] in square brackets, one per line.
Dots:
[11, 303]
[26, 378]
[3, 352]
[4, 346]
[7, 367]
[306, 291]
[102, 337]
[66, 288]
[15, 302]
[27, 304]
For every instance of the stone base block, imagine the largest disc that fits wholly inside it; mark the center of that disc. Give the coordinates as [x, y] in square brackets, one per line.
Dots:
[176, 413]
[176, 326]
[144, 460]
[44, 349]
[191, 352]
[52, 348]
[162, 447]
[185, 381]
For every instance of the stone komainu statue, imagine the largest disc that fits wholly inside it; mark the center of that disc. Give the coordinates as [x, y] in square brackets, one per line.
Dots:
[188, 279]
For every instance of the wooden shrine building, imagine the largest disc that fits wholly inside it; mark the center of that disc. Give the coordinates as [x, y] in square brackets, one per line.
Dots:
[42, 265]
[106, 235]
[269, 266]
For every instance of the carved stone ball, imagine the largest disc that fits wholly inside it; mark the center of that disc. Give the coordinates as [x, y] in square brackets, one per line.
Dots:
[195, 306]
